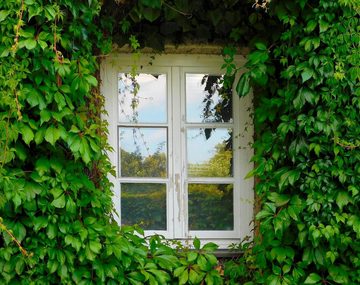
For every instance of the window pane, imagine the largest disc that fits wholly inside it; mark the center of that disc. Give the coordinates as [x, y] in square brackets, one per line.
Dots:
[206, 99]
[211, 207]
[144, 204]
[143, 98]
[143, 152]
[209, 152]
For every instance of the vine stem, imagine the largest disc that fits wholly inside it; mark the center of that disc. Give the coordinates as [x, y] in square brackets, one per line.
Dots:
[13, 238]
[177, 10]
[6, 142]
[17, 32]
[17, 105]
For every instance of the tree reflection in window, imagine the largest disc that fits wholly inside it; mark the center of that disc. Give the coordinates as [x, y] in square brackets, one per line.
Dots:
[142, 98]
[211, 207]
[144, 204]
[209, 100]
[143, 152]
[221, 109]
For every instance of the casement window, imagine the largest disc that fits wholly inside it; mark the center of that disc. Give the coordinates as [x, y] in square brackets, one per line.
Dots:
[181, 145]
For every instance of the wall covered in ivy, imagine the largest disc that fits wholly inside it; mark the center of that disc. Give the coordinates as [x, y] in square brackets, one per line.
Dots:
[55, 199]
[308, 144]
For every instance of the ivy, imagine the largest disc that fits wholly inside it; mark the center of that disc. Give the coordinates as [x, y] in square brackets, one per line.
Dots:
[306, 172]
[55, 198]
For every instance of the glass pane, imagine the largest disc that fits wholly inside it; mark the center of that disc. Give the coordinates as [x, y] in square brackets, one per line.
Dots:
[209, 152]
[211, 207]
[143, 98]
[143, 152]
[206, 99]
[144, 204]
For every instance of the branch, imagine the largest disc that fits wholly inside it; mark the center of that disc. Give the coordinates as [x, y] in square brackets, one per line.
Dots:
[13, 238]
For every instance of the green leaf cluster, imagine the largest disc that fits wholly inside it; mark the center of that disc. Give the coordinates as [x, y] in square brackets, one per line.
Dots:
[55, 196]
[306, 85]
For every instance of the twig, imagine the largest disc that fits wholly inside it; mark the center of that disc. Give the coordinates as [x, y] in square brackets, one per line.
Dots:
[17, 105]
[17, 28]
[13, 238]
[178, 11]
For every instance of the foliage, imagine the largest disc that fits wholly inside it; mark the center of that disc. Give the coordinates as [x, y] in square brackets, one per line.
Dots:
[158, 22]
[55, 197]
[307, 144]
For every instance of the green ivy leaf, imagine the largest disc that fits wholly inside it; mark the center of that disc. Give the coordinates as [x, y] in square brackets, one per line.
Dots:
[313, 278]
[20, 265]
[91, 80]
[51, 231]
[342, 199]
[191, 256]
[39, 135]
[194, 277]
[34, 98]
[151, 14]
[339, 274]
[289, 177]
[42, 165]
[27, 133]
[324, 25]
[243, 85]
[59, 202]
[40, 222]
[307, 74]
[256, 57]
[70, 206]
[279, 199]
[52, 134]
[196, 243]
[178, 271]
[63, 68]
[210, 246]
[260, 46]
[85, 150]
[151, 3]
[95, 246]
[45, 116]
[184, 277]
[311, 25]
[52, 266]
[50, 12]
[4, 14]
[28, 43]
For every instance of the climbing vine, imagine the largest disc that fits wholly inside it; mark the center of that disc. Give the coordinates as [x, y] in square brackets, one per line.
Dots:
[55, 198]
[307, 142]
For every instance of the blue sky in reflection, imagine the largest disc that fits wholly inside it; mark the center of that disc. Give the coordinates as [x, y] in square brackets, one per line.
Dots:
[151, 108]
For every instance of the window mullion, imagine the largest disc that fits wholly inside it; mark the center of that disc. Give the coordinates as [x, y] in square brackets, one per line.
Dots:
[176, 152]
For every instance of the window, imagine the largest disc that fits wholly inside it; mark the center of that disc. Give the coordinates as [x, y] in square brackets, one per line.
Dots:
[181, 147]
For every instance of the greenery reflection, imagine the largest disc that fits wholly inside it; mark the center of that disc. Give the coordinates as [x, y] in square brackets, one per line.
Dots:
[210, 207]
[144, 204]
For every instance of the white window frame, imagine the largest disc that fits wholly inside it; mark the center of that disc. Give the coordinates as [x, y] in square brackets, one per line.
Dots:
[175, 66]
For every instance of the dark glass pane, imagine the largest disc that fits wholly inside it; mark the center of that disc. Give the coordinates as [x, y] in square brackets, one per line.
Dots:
[206, 99]
[143, 152]
[209, 152]
[143, 98]
[144, 204]
[211, 207]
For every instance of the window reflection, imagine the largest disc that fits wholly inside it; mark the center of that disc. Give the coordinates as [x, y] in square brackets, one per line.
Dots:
[209, 152]
[211, 207]
[144, 204]
[143, 152]
[142, 98]
[206, 99]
